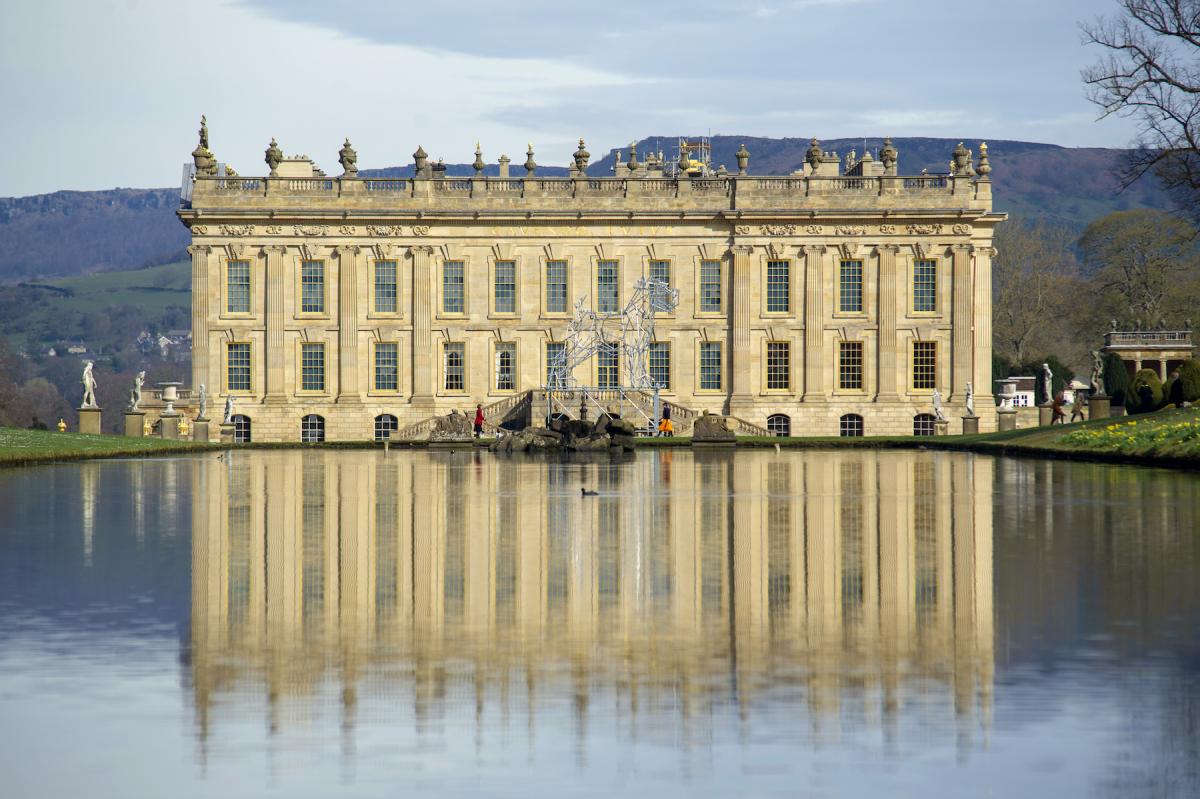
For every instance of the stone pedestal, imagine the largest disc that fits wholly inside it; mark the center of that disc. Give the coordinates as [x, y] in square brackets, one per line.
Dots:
[970, 425]
[135, 424]
[941, 427]
[200, 430]
[227, 432]
[89, 421]
[169, 427]
[1006, 420]
[1099, 408]
[1045, 415]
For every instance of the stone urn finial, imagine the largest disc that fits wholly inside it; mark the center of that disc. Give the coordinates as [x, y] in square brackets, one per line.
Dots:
[581, 158]
[478, 162]
[273, 156]
[202, 157]
[888, 156]
[348, 159]
[530, 164]
[813, 154]
[633, 161]
[985, 167]
[743, 158]
[961, 165]
[420, 161]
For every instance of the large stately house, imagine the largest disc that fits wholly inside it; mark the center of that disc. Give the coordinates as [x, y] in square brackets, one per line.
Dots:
[842, 299]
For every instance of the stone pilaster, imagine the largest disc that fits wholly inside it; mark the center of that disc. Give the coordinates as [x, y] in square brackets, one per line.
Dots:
[739, 355]
[982, 371]
[885, 357]
[200, 355]
[422, 320]
[275, 356]
[963, 346]
[349, 390]
[814, 323]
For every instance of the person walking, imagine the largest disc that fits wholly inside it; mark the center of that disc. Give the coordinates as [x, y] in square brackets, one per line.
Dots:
[1060, 415]
[1078, 405]
[478, 420]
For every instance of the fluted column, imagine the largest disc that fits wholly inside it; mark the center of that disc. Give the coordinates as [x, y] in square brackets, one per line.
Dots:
[349, 391]
[962, 361]
[422, 335]
[200, 355]
[739, 355]
[275, 354]
[885, 358]
[982, 372]
[814, 323]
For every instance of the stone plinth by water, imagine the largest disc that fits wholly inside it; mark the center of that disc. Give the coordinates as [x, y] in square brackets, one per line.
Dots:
[135, 424]
[89, 421]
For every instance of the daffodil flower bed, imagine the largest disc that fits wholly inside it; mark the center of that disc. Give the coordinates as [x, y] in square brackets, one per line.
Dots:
[1175, 433]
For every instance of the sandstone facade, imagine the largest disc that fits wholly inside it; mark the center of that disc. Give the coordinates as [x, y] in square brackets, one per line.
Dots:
[310, 292]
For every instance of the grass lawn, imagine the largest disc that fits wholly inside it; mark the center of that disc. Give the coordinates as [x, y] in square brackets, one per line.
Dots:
[18, 447]
[153, 288]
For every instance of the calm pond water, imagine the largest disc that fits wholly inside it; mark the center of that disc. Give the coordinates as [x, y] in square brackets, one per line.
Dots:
[327, 623]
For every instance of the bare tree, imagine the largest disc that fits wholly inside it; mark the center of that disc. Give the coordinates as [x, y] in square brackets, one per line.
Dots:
[1143, 262]
[1033, 277]
[1151, 72]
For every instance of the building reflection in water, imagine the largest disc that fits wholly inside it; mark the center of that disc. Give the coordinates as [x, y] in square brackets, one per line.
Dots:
[828, 585]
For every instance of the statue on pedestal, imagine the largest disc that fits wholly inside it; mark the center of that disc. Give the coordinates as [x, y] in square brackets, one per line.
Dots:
[203, 403]
[1097, 374]
[135, 394]
[938, 413]
[89, 387]
[970, 400]
[228, 410]
[1047, 383]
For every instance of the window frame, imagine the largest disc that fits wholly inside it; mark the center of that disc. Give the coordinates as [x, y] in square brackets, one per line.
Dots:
[659, 346]
[846, 423]
[375, 350]
[912, 366]
[249, 345]
[493, 283]
[924, 419]
[375, 312]
[861, 309]
[515, 373]
[545, 281]
[787, 425]
[789, 283]
[301, 313]
[243, 428]
[461, 348]
[304, 428]
[225, 293]
[701, 348]
[701, 309]
[767, 388]
[598, 368]
[546, 363]
[600, 263]
[913, 310]
[301, 346]
[441, 289]
[651, 264]
[840, 368]
[392, 427]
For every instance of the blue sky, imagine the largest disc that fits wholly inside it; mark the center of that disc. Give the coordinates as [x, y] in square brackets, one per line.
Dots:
[109, 92]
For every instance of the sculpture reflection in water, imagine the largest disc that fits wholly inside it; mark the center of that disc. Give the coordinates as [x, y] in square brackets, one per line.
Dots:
[691, 581]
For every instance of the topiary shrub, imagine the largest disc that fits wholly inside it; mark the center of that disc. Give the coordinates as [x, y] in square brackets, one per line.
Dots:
[1189, 380]
[1145, 394]
[1116, 378]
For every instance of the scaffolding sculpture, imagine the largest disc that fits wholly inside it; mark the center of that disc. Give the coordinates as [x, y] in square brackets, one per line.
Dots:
[628, 334]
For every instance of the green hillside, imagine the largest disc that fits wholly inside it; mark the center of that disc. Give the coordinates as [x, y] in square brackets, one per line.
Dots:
[153, 288]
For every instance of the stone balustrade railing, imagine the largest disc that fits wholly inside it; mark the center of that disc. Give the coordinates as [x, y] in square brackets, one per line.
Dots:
[1148, 338]
[731, 192]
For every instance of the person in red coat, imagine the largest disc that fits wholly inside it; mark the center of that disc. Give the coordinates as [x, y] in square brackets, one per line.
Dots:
[478, 420]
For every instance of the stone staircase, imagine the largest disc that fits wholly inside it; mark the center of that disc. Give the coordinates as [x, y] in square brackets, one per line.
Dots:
[494, 415]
